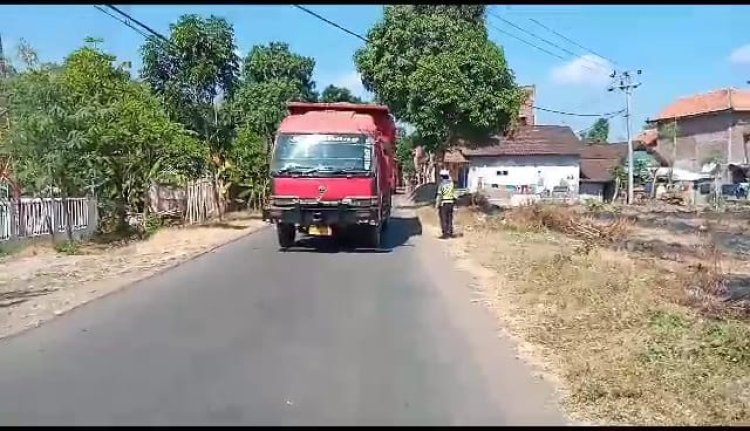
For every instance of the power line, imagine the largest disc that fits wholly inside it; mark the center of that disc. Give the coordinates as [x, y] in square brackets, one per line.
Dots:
[140, 24]
[562, 58]
[573, 114]
[534, 35]
[526, 42]
[571, 41]
[606, 117]
[346, 30]
[127, 24]
[552, 54]
[326, 20]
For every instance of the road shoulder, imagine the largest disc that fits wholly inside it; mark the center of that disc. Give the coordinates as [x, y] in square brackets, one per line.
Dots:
[40, 283]
[526, 395]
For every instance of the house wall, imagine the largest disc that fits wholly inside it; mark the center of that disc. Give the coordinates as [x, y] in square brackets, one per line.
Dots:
[544, 171]
[707, 136]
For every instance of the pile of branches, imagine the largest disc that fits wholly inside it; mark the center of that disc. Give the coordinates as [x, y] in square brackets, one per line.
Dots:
[566, 220]
[673, 198]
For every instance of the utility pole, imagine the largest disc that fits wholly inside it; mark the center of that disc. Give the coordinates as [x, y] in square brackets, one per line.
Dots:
[626, 85]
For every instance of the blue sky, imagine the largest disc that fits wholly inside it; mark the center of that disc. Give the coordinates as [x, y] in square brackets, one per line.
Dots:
[682, 50]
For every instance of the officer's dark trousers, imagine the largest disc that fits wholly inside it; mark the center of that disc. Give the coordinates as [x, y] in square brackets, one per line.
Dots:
[446, 218]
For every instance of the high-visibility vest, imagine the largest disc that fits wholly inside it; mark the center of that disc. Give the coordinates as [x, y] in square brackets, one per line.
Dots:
[447, 192]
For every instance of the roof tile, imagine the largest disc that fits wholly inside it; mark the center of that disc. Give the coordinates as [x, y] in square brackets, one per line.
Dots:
[648, 137]
[454, 156]
[714, 101]
[529, 141]
[598, 160]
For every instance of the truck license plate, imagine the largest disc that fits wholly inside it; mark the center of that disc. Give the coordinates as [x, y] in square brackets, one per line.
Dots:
[319, 230]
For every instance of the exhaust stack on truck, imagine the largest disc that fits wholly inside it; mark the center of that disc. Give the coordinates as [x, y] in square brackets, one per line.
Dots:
[333, 171]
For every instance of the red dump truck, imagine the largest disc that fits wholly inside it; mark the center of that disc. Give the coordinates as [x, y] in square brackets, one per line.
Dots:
[333, 171]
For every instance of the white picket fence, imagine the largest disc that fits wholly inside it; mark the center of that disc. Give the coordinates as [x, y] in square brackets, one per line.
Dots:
[4, 221]
[32, 217]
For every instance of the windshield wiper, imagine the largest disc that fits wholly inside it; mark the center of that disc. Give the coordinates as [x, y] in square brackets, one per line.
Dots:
[323, 169]
[293, 169]
[349, 171]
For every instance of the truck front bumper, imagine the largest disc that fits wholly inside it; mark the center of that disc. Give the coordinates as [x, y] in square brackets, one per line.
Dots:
[330, 216]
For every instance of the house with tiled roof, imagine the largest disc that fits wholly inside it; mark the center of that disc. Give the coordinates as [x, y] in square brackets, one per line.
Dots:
[458, 165]
[598, 162]
[534, 159]
[540, 159]
[710, 128]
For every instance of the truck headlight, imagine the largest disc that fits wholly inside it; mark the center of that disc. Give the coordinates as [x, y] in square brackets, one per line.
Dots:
[360, 202]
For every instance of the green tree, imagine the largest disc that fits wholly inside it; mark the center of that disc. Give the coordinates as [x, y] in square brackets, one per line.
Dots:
[474, 14]
[44, 137]
[405, 153]
[598, 133]
[195, 68]
[262, 106]
[132, 142]
[193, 72]
[87, 125]
[441, 74]
[248, 167]
[275, 62]
[333, 94]
[272, 76]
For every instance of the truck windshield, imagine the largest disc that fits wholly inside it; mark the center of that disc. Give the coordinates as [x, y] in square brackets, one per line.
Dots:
[312, 152]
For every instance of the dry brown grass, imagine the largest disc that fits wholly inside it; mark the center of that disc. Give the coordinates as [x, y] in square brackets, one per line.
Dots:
[566, 220]
[612, 328]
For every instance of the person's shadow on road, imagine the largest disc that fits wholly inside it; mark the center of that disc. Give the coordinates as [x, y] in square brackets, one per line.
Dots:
[398, 233]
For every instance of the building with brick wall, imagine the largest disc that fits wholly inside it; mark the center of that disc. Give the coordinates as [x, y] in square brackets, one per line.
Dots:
[710, 128]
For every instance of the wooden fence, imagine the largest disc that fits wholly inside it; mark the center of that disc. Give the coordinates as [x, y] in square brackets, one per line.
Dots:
[194, 202]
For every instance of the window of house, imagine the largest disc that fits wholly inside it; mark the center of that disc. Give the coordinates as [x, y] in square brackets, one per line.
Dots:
[501, 173]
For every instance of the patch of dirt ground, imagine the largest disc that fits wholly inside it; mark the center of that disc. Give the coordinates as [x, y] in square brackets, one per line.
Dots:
[39, 283]
[608, 326]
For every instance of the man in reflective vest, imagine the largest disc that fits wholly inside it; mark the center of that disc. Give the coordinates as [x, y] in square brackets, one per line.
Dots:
[444, 202]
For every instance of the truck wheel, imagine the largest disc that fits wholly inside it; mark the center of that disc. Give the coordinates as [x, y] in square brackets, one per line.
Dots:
[373, 236]
[285, 233]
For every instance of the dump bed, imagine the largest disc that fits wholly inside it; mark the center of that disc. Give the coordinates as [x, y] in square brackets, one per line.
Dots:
[341, 118]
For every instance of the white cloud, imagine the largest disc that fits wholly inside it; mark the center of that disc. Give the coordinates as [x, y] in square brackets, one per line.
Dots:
[741, 55]
[353, 82]
[587, 70]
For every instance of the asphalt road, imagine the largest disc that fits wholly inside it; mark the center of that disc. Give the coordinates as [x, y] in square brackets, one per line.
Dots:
[252, 335]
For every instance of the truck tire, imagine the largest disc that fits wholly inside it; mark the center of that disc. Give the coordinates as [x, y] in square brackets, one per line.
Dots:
[387, 216]
[373, 236]
[286, 234]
